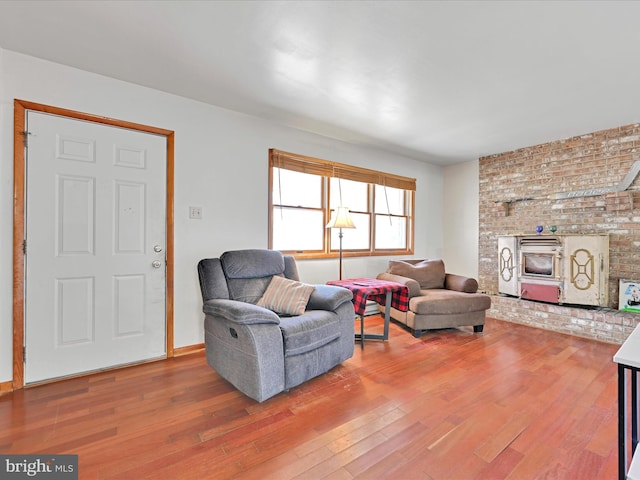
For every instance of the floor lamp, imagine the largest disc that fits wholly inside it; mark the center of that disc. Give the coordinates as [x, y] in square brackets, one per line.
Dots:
[341, 219]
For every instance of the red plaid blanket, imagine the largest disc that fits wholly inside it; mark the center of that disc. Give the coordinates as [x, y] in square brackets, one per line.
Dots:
[365, 289]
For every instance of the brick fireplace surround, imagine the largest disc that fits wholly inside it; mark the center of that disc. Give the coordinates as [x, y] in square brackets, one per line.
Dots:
[514, 197]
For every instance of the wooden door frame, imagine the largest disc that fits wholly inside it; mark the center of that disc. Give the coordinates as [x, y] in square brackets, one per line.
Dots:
[19, 225]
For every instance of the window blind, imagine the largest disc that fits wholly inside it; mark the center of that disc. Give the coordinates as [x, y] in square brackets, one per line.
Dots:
[316, 166]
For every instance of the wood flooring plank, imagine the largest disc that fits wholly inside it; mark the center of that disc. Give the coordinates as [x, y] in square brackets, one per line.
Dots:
[531, 465]
[513, 402]
[501, 466]
[383, 467]
[503, 437]
[288, 465]
[340, 474]
[391, 445]
[600, 442]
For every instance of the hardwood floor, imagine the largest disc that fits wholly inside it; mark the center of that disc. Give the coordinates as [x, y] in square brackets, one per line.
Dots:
[511, 403]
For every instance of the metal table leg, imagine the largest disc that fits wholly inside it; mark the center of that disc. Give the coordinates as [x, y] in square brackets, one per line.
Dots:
[622, 424]
[387, 317]
[626, 449]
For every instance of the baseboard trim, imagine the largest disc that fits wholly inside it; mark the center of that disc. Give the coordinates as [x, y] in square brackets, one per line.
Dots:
[6, 387]
[188, 350]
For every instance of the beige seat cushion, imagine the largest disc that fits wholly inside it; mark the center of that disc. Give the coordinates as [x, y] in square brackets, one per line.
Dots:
[428, 273]
[444, 302]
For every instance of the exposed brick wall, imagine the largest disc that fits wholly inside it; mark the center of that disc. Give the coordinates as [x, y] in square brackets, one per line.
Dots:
[516, 190]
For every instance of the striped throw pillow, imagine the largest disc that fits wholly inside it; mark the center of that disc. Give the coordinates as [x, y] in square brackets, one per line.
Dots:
[286, 297]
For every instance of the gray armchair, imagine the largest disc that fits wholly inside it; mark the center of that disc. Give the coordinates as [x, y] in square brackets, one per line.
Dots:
[262, 352]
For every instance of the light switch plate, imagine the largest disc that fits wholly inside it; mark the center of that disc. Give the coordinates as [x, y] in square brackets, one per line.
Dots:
[195, 213]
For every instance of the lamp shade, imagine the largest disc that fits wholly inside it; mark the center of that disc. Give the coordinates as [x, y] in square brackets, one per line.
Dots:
[341, 219]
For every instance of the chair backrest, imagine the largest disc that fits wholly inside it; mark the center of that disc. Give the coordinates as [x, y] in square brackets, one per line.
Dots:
[243, 275]
[413, 261]
[249, 272]
[213, 283]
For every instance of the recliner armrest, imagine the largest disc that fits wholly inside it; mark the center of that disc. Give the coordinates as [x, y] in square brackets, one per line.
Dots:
[410, 283]
[240, 312]
[328, 297]
[460, 283]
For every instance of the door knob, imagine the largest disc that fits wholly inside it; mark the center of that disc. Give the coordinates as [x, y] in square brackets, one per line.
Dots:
[156, 264]
[157, 248]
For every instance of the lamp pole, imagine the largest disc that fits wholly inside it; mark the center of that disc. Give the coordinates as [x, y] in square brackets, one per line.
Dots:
[340, 256]
[340, 220]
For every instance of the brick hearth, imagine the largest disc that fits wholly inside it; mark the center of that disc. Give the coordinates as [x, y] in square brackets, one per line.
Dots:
[604, 324]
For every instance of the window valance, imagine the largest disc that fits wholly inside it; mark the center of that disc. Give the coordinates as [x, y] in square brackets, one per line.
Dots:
[316, 166]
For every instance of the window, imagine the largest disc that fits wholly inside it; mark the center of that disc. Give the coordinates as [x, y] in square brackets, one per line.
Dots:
[304, 192]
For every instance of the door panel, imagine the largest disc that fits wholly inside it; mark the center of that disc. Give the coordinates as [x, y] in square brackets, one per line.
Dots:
[586, 269]
[508, 266]
[96, 207]
[76, 221]
[73, 318]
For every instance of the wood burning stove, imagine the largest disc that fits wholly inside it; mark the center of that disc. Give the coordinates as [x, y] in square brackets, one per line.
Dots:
[572, 269]
[541, 269]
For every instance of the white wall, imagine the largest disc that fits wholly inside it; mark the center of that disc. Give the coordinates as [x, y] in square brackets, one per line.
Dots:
[221, 162]
[460, 220]
[6, 232]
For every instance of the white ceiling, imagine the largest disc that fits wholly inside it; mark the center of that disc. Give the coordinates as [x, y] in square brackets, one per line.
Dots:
[440, 81]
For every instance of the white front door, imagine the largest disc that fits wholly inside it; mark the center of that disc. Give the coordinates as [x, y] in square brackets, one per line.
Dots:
[95, 246]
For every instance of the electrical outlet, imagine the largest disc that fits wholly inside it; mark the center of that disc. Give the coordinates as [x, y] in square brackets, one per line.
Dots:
[195, 213]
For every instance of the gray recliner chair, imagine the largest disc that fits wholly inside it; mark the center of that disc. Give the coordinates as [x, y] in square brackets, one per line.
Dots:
[262, 352]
